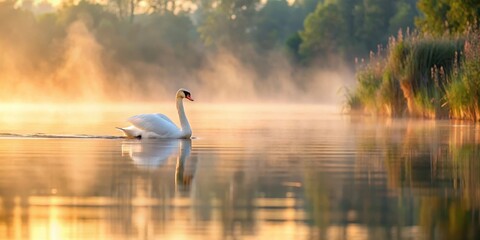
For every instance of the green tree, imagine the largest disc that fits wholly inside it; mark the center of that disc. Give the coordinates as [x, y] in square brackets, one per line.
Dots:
[276, 22]
[167, 39]
[447, 16]
[326, 32]
[371, 23]
[227, 23]
[271, 24]
[405, 13]
[349, 28]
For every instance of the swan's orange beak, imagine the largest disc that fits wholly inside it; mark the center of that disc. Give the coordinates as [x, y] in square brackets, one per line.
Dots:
[189, 98]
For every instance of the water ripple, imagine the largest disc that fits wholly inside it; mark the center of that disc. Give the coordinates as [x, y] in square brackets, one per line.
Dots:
[43, 135]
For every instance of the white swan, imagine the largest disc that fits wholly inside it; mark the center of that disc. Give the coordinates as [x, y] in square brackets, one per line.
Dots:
[158, 125]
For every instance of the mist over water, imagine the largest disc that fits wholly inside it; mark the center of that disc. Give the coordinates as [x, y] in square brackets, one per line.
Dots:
[85, 71]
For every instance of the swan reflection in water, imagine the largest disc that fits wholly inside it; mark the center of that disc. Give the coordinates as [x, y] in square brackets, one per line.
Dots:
[153, 153]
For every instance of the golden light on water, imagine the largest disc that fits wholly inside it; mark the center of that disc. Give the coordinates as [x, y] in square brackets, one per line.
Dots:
[49, 218]
[55, 221]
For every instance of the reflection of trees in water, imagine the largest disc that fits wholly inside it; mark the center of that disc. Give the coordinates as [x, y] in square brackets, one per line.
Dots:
[237, 206]
[226, 196]
[340, 202]
[443, 174]
[432, 171]
[406, 174]
[448, 218]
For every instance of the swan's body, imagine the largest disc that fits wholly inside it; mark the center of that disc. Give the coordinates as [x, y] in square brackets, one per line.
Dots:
[157, 125]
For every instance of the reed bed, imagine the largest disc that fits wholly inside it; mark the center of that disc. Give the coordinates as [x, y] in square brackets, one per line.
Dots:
[421, 76]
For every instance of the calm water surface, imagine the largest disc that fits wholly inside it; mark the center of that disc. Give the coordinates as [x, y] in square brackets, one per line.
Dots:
[251, 172]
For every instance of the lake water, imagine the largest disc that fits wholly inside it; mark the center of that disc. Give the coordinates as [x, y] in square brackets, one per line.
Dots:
[251, 172]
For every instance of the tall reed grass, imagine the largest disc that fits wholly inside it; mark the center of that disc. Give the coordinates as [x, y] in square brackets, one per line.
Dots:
[463, 90]
[422, 76]
[369, 79]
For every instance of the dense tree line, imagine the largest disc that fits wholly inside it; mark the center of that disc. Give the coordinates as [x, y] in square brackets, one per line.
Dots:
[178, 37]
[350, 28]
[448, 16]
[307, 29]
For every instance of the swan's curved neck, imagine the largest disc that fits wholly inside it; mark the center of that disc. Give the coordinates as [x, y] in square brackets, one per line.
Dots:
[186, 130]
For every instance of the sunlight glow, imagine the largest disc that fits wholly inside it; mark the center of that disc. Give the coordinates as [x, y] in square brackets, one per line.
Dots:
[53, 2]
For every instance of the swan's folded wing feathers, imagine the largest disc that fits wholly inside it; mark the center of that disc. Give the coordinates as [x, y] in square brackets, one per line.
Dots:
[154, 123]
[165, 118]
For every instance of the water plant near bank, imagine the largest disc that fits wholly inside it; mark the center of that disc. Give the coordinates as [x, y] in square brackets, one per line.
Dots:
[421, 76]
[463, 91]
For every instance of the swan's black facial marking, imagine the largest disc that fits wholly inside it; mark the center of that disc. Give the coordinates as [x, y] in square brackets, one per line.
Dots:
[188, 95]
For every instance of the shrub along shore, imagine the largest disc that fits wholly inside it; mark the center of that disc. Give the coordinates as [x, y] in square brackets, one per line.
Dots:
[421, 76]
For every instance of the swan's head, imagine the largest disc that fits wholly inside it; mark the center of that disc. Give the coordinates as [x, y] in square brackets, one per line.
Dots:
[184, 93]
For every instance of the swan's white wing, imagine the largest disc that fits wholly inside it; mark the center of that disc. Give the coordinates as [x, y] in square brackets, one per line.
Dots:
[156, 123]
[165, 118]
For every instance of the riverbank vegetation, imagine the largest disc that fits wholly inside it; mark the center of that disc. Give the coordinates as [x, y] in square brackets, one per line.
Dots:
[431, 73]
